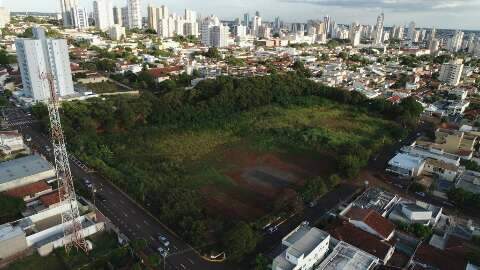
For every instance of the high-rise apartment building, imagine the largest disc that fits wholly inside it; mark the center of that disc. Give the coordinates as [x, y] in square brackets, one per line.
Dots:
[355, 34]
[38, 56]
[79, 18]
[153, 15]
[246, 20]
[4, 17]
[134, 14]
[117, 15]
[124, 13]
[451, 72]
[256, 23]
[103, 14]
[455, 43]
[379, 29]
[66, 9]
[219, 36]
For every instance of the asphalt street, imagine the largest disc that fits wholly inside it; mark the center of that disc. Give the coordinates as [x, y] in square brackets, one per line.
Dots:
[130, 218]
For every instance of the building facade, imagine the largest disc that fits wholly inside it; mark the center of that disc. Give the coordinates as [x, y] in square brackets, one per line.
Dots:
[66, 9]
[103, 14]
[134, 14]
[39, 56]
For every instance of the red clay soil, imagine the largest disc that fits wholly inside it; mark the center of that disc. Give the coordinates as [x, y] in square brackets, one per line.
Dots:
[252, 198]
[223, 204]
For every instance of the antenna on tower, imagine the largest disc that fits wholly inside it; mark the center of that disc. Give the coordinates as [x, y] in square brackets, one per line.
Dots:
[72, 227]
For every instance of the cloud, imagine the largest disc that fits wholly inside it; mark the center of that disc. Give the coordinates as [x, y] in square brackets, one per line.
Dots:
[397, 5]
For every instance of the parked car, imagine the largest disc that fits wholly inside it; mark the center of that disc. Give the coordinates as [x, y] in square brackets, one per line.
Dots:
[28, 138]
[272, 229]
[162, 251]
[163, 240]
[421, 194]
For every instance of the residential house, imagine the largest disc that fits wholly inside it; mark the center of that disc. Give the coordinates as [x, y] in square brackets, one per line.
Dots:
[416, 213]
[371, 222]
[406, 165]
[443, 170]
[363, 240]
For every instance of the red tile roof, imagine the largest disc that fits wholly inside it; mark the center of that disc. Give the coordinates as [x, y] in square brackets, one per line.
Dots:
[374, 220]
[348, 233]
[162, 72]
[452, 258]
[30, 189]
[50, 198]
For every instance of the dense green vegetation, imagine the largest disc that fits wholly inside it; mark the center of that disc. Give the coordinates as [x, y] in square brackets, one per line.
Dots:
[419, 230]
[464, 199]
[11, 208]
[470, 165]
[163, 149]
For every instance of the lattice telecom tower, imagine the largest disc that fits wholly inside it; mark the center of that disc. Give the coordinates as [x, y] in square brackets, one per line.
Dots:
[72, 227]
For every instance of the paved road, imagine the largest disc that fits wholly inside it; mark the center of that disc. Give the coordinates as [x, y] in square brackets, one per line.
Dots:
[130, 218]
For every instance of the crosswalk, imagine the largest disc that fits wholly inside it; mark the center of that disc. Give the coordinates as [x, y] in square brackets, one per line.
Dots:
[21, 123]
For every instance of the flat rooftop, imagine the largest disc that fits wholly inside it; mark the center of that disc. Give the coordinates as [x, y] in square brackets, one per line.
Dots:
[23, 167]
[308, 242]
[375, 199]
[348, 257]
[406, 160]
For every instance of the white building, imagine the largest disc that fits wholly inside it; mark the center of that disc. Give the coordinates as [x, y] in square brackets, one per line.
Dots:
[205, 31]
[310, 248]
[240, 31]
[79, 18]
[66, 8]
[306, 247]
[38, 56]
[406, 165]
[379, 30]
[416, 213]
[116, 32]
[11, 141]
[451, 73]
[219, 36]
[256, 23]
[103, 14]
[134, 14]
[455, 43]
[153, 15]
[4, 17]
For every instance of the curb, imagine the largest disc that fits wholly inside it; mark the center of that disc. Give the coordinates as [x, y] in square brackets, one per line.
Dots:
[154, 218]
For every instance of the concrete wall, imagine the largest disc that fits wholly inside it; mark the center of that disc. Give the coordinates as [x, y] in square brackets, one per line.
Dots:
[12, 246]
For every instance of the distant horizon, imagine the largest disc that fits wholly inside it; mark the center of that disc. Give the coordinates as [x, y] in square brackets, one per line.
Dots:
[441, 14]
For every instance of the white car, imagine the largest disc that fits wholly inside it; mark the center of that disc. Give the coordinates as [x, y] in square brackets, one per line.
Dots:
[162, 251]
[28, 138]
[163, 240]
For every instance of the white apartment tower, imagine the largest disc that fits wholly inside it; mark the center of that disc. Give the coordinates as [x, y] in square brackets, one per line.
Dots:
[219, 36]
[124, 13]
[66, 9]
[451, 72]
[103, 14]
[4, 17]
[79, 18]
[206, 27]
[38, 56]
[355, 34]
[153, 15]
[256, 23]
[455, 43]
[134, 14]
[379, 29]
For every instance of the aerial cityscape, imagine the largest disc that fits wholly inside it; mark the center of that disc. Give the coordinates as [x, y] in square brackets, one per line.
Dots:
[282, 135]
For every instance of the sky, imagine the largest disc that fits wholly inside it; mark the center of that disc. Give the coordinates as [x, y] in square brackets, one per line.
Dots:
[452, 14]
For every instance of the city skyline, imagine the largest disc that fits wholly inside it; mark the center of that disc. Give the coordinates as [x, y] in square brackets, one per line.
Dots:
[428, 13]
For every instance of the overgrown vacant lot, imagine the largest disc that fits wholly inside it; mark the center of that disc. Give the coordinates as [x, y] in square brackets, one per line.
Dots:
[242, 164]
[231, 149]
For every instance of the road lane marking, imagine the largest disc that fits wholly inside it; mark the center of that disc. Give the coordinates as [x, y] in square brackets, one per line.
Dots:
[190, 260]
[146, 222]
[138, 226]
